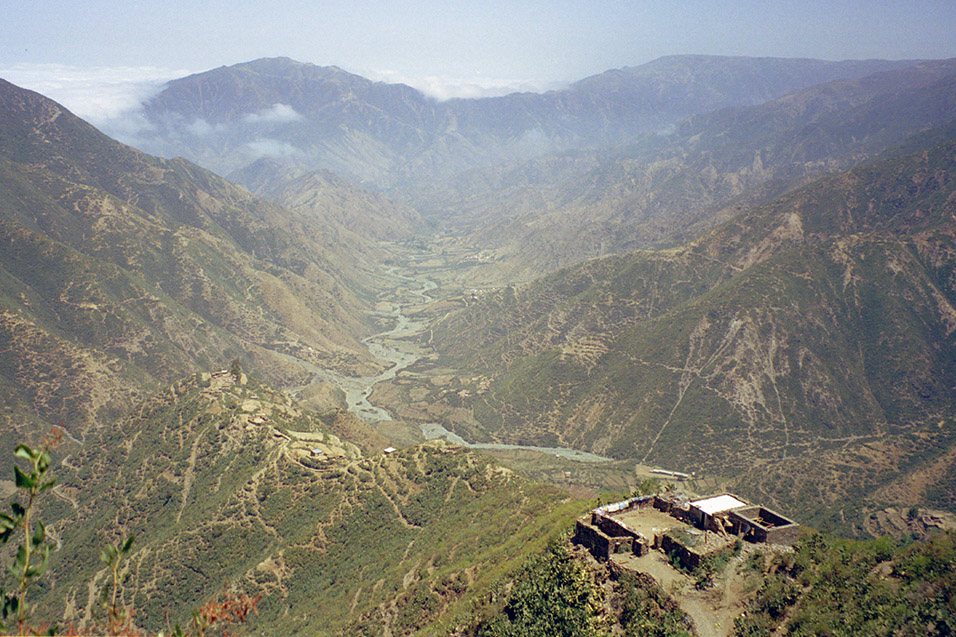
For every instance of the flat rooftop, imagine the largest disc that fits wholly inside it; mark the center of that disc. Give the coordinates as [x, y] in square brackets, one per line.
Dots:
[649, 521]
[718, 504]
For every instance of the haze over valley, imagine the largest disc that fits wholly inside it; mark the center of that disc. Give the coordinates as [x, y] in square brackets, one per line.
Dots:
[317, 353]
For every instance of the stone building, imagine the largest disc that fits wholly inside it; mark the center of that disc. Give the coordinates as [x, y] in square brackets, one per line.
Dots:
[673, 523]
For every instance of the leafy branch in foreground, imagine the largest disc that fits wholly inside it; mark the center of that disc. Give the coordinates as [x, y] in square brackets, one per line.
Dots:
[231, 609]
[118, 618]
[33, 553]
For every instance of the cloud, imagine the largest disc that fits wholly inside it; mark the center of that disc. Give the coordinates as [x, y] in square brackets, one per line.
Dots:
[276, 114]
[109, 97]
[201, 128]
[98, 94]
[443, 88]
[265, 147]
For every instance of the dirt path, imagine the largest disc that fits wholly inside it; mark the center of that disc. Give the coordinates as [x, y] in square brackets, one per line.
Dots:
[712, 611]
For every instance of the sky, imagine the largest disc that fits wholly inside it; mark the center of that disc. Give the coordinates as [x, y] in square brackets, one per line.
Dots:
[102, 57]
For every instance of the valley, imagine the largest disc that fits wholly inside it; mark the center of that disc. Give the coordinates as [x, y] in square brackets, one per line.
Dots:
[406, 291]
[376, 375]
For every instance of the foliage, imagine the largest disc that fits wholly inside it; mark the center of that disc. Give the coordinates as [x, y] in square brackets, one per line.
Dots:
[220, 614]
[553, 595]
[648, 486]
[235, 369]
[647, 611]
[119, 618]
[32, 558]
[559, 593]
[33, 553]
[833, 586]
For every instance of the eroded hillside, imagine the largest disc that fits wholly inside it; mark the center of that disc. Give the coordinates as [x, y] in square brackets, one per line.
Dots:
[819, 323]
[224, 480]
[120, 270]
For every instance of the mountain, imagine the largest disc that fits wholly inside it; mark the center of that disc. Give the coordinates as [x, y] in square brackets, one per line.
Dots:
[331, 199]
[805, 348]
[312, 117]
[119, 271]
[665, 189]
[801, 351]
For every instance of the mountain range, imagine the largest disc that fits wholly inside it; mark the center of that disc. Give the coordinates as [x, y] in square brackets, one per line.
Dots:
[632, 158]
[740, 269]
[664, 189]
[382, 134]
[817, 326]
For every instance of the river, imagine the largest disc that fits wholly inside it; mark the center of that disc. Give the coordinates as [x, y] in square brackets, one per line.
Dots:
[382, 346]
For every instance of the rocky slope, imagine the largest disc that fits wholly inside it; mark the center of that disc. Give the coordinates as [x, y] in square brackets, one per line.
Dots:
[119, 270]
[808, 345]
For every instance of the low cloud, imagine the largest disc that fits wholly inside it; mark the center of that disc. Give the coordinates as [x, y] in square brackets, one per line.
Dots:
[109, 97]
[266, 147]
[276, 114]
[98, 94]
[201, 128]
[443, 88]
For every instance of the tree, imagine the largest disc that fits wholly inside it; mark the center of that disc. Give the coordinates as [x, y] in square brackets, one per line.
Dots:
[235, 368]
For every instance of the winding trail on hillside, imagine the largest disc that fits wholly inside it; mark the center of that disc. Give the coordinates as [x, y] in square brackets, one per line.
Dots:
[386, 346]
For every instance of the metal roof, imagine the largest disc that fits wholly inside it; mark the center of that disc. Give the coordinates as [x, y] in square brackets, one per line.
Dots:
[718, 504]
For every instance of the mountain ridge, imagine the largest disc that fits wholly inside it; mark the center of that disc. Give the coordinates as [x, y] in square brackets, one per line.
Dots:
[389, 134]
[560, 209]
[121, 270]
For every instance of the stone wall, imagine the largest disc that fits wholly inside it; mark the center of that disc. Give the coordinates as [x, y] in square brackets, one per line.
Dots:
[602, 544]
[761, 525]
[688, 558]
[787, 535]
[612, 527]
[593, 540]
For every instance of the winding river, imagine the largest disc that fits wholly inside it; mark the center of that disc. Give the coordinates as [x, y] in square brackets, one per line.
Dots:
[358, 388]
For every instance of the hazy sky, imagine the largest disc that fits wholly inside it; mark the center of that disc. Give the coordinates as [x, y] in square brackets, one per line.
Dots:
[444, 47]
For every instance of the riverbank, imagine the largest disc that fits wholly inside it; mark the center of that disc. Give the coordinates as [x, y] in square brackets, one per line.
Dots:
[394, 348]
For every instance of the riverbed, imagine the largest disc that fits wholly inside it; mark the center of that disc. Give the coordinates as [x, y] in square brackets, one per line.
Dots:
[388, 349]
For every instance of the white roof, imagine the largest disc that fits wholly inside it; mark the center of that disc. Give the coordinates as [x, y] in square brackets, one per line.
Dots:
[718, 504]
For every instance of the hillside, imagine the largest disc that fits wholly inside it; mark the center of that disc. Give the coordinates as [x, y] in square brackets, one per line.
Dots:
[739, 269]
[119, 271]
[825, 586]
[804, 348]
[312, 117]
[666, 188]
[330, 200]
[225, 481]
